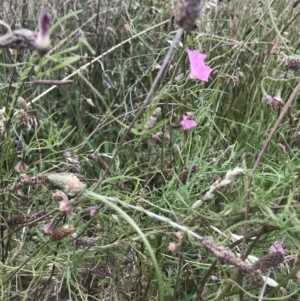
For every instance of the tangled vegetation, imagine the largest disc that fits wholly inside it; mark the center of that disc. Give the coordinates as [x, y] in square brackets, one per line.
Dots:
[191, 195]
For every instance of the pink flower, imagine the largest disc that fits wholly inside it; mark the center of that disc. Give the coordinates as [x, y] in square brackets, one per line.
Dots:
[187, 123]
[198, 68]
[277, 247]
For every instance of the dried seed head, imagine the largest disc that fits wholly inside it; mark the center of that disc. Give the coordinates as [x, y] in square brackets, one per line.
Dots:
[93, 210]
[267, 99]
[22, 103]
[23, 219]
[23, 120]
[112, 31]
[18, 55]
[151, 122]
[65, 206]
[16, 220]
[186, 172]
[128, 30]
[21, 167]
[161, 135]
[172, 247]
[68, 183]
[179, 236]
[38, 179]
[61, 232]
[224, 253]
[2, 119]
[84, 241]
[74, 159]
[255, 278]
[58, 196]
[276, 47]
[154, 118]
[188, 12]
[47, 229]
[293, 62]
[157, 113]
[270, 260]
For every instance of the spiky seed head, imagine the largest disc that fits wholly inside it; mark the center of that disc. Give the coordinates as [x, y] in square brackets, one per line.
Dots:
[293, 62]
[188, 12]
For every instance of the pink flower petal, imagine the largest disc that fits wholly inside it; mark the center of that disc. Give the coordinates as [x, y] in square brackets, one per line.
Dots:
[277, 247]
[187, 123]
[198, 68]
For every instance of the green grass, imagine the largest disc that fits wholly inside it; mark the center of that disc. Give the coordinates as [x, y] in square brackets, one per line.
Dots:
[149, 193]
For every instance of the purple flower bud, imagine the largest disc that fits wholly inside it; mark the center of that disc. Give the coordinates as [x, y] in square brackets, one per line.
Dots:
[277, 247]
[43, 40]
[214, 278]
[267, 99]
[45, 23]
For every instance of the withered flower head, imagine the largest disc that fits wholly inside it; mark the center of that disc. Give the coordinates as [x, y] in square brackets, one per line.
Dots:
[65, 206]
[172, 247]
[47, 229]
[58, 196]
[179, 235]
[23, 119]
[22, 103]
[21, 167]
[93, 210]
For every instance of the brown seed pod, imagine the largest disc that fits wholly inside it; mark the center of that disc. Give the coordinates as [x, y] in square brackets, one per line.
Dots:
[61, 232]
